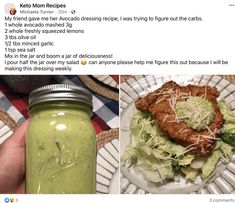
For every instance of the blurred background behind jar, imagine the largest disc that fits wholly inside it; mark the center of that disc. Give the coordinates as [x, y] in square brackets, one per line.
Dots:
[26, 83]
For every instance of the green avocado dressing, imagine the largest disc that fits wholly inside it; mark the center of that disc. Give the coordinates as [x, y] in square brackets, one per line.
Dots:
[60, 152]
[196, 112]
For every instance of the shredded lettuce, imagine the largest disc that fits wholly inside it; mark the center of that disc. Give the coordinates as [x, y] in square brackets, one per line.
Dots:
[190, 173]
[211, 163]
[226, 150]
[229, 138]
[158, 158]
[229, 117]
[228, 131]
[223, 148]
[198, 162]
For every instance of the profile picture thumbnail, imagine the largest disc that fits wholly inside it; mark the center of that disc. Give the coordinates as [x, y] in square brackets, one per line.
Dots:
[12, 11]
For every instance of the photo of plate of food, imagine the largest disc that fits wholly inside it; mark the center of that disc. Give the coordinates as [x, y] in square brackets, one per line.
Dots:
[177, 134]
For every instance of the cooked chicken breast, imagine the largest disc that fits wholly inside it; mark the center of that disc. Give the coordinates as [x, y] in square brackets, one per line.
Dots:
[160, 104]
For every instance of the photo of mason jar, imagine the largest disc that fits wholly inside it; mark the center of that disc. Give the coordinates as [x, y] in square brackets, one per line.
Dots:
[59, 134]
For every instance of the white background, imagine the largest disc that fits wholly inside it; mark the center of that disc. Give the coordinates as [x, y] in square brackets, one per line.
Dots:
[121, 198]
[211, 39]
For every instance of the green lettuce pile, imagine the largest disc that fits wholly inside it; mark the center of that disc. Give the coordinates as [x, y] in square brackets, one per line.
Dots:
[158, 158]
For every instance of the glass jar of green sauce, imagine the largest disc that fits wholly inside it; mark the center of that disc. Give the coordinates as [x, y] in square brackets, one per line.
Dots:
[60, 141]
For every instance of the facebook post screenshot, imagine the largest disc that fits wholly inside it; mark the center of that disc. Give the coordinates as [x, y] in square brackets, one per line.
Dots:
[117, 100]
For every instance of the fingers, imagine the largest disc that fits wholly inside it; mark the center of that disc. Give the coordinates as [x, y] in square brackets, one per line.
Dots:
[18, 138]
[21, 189]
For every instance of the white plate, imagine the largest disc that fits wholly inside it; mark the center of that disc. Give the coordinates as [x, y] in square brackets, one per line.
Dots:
[107, 170]
[132, 181]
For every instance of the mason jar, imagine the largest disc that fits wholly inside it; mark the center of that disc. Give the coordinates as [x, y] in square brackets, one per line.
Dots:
[60, 141]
